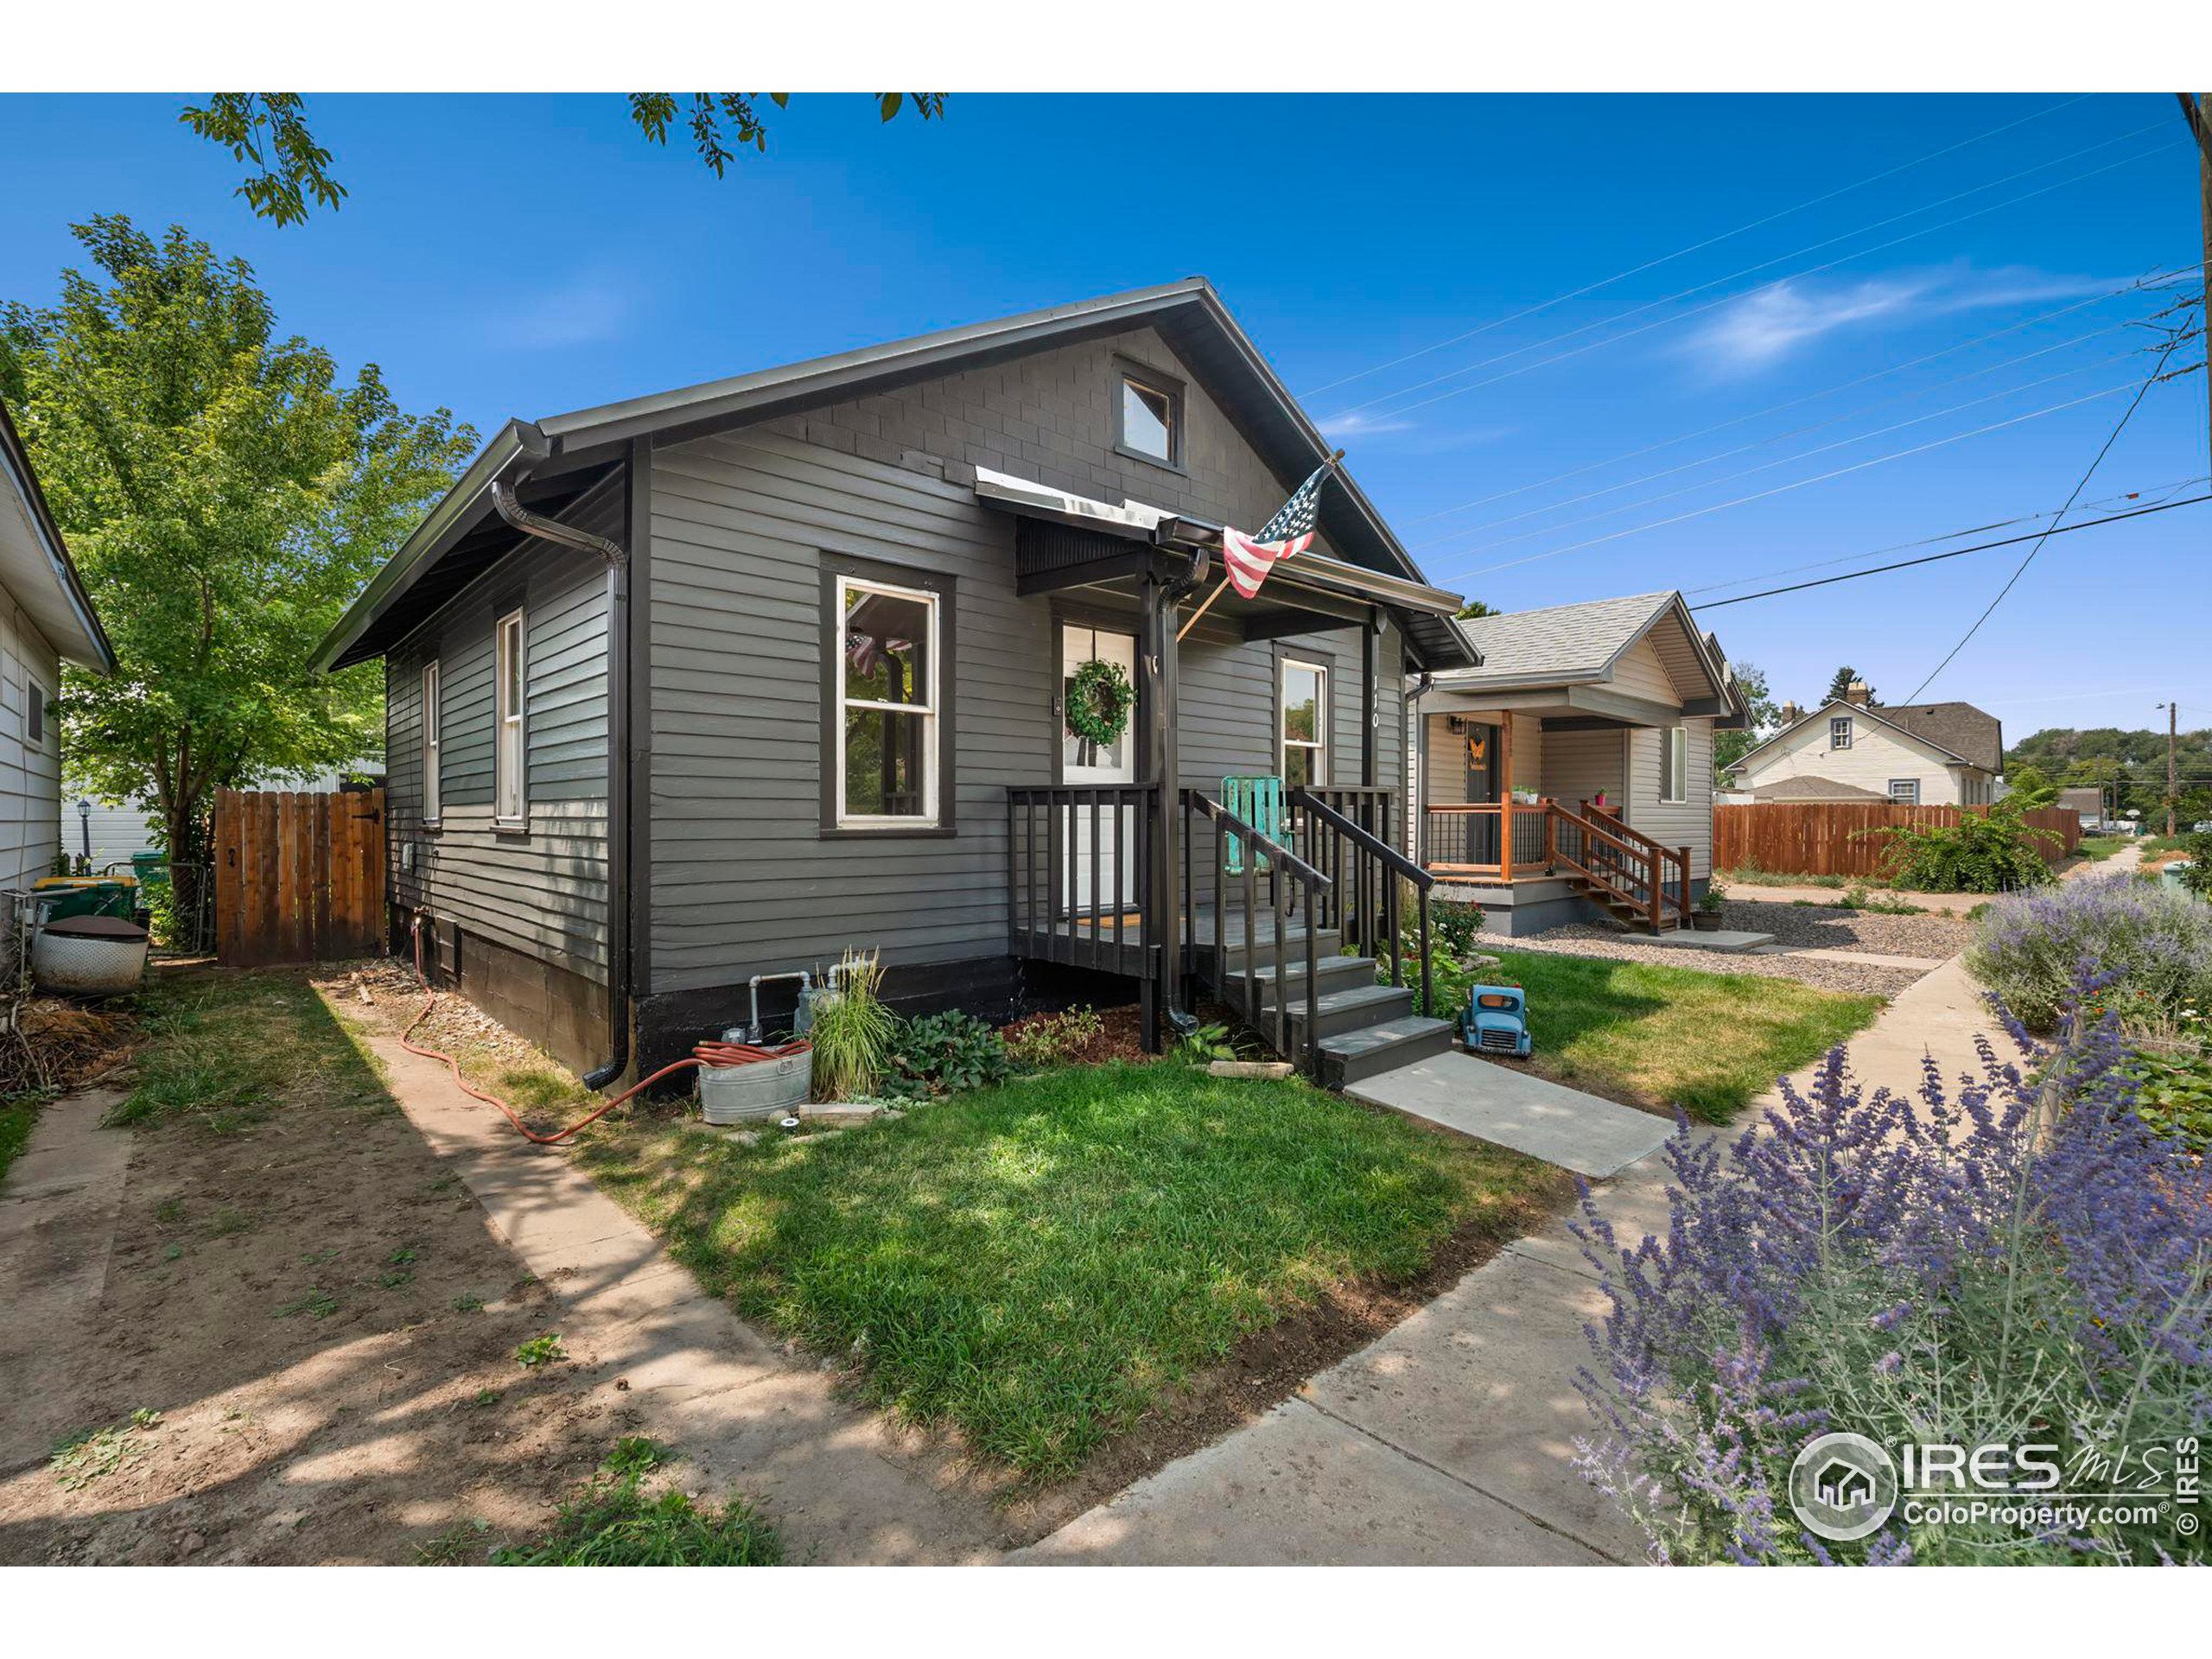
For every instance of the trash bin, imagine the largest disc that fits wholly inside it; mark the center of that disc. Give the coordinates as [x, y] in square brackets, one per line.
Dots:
[150, 870]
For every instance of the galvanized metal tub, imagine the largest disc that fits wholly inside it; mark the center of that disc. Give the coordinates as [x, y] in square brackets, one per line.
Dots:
[757, 1090]
[89, 956]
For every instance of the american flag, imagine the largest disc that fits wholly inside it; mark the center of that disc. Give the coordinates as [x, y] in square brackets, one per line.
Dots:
[1247, 559]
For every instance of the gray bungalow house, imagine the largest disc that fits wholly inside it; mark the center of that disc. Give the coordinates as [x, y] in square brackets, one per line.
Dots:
[715, 683]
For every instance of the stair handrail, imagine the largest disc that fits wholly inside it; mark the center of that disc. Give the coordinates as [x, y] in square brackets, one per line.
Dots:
[1284, 862]
[1397, 863]
[1631, 840]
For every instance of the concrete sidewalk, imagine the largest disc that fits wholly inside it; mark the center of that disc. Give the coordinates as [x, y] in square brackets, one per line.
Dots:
[838, 1483]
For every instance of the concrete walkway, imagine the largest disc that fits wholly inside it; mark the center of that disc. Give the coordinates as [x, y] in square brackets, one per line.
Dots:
[838, 1483]
[1510, 1108]
[1451, 1439]
[58, 1215]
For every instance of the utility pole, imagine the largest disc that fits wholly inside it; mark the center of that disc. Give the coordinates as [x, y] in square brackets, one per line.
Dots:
[2173, 786]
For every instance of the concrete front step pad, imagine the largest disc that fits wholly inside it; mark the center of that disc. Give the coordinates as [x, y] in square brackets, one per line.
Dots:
[1728, 941]
[1352, 1056]
[1349, 1009]
[1515, 1109]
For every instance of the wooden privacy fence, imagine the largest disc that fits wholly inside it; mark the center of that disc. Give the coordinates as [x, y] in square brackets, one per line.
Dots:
[1828, 838]
[298, 877]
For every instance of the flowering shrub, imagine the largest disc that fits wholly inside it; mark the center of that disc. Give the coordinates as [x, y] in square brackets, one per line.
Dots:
[2023, 1264]
[2155, 943]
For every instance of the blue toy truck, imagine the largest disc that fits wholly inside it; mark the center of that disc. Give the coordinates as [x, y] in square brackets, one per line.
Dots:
[1497, 1020]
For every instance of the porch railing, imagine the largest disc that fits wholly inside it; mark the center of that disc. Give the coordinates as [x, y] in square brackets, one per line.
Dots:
[1625, 865]
[1078, 876]
[1291, 887]
[1486, 840]
[1367, 866]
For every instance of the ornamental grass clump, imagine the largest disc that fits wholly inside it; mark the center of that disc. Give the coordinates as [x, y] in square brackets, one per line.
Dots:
[2152, 943]
[2017, 1262]
[854, 1031]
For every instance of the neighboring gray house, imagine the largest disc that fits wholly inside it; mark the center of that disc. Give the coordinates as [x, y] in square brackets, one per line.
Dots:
[719, 682]
[1914, 755]
[46, 619]
[1572, 770]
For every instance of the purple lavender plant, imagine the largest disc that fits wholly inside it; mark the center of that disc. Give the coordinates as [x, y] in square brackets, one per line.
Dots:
[2021, 1259]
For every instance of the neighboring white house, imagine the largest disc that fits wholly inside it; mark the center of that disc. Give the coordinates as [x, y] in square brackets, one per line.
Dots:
[111, 834]
[46, 619]
[1916, 755]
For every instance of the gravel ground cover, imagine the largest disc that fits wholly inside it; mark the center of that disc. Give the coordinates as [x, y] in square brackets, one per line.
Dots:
[1934, 936]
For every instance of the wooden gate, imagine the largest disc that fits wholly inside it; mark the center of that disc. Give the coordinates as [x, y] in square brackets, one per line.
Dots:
[298, 877]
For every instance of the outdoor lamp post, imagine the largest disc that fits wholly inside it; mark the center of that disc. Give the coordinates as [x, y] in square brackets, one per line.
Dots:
[85, 832]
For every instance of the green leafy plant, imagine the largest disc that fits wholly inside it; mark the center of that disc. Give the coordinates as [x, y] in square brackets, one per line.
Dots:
[468, 1303]
[1713, 897]
[945, 1053]
[853, 1029]
[1455, 925]
[541, 1350]
[455, 1547]
[315, 1302]
[635, 1456]
[611, 1522]
[1985, 852]
[2174, 1090]
[1205, 1045]
[2196, 876]
[1055, 1039]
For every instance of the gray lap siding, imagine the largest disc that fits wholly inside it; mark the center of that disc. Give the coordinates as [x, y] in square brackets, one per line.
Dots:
[506, 900]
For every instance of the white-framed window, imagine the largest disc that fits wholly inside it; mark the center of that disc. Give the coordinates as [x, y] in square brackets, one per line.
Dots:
[1839, 732]
[1905, 791]
[433, 752]
[889, 698]
[1151, 420]
[1304, 731]
[1675, 765]
[510, 792]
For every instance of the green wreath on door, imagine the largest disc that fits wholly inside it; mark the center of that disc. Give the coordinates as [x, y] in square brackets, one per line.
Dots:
[1100, 697]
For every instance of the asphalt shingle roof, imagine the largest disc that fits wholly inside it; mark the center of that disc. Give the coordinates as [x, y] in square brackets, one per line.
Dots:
[1959, 727]
[1558, 642]
[1813, 789]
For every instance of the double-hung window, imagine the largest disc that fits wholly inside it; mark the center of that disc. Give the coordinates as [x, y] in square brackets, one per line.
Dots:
[509, 791]
[34, 713]
[889, 701]
[1675, 777]
[433, 804]
[1839, 732]
[1305, 724]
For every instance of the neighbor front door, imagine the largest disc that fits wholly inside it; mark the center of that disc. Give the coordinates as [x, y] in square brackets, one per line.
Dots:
[1084, 762]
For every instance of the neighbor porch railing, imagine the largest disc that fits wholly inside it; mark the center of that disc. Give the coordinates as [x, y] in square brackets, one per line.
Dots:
[1499, 841]
[1486, 841]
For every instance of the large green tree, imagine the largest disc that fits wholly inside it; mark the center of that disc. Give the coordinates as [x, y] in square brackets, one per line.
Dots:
[225, 494]
[1842, 682]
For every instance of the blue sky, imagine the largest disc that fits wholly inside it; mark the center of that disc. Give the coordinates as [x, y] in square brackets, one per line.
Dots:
[526, 255]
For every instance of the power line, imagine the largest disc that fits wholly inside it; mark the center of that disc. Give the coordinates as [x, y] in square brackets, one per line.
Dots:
[2127, 415]
[1727, 299]
[2147, 282]
[1782, 460]
[2037, 537]
[1799, 484]
[1696, 247]
[2171, 491]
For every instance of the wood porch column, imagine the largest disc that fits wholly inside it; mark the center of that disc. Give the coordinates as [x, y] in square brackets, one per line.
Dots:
[1157, 656]
[1505, 797]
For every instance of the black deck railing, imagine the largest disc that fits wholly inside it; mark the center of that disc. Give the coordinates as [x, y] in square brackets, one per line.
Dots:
[1369, 875]
[1078, 876]
[1287, 888]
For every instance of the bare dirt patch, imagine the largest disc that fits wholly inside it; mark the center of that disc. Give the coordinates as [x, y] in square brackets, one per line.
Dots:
[322, 1328]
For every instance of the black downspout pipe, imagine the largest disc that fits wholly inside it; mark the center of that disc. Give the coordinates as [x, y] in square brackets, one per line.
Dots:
[617, 559]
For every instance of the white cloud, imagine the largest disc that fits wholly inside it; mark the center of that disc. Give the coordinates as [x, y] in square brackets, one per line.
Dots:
[1770, 323]
[1353, 424]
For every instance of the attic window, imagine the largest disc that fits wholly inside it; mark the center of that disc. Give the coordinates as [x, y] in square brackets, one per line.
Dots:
[1151, 419]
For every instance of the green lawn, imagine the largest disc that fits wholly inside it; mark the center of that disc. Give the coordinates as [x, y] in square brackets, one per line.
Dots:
[2096, 848]
[1664, 1036]
[1038, 1263]
[15, 1119]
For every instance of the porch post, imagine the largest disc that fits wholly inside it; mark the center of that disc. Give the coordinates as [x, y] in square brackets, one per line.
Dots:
[1368, 702]
[1505, 796]
[1157, 660]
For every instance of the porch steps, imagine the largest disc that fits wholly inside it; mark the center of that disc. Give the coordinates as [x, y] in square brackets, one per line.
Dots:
[1355, 1007]
[1618, 911]
[1353, 1057]
[1331, 972]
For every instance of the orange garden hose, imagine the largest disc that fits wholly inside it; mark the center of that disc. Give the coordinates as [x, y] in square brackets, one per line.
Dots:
[707, 1053]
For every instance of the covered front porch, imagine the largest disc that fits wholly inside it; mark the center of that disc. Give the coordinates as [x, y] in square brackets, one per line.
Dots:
[1525, 809]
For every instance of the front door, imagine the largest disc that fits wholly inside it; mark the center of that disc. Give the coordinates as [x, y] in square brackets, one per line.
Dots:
[1084, 762]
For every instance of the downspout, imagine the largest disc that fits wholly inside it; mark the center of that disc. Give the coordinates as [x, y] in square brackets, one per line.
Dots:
[1417, 739]
[617, 560]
